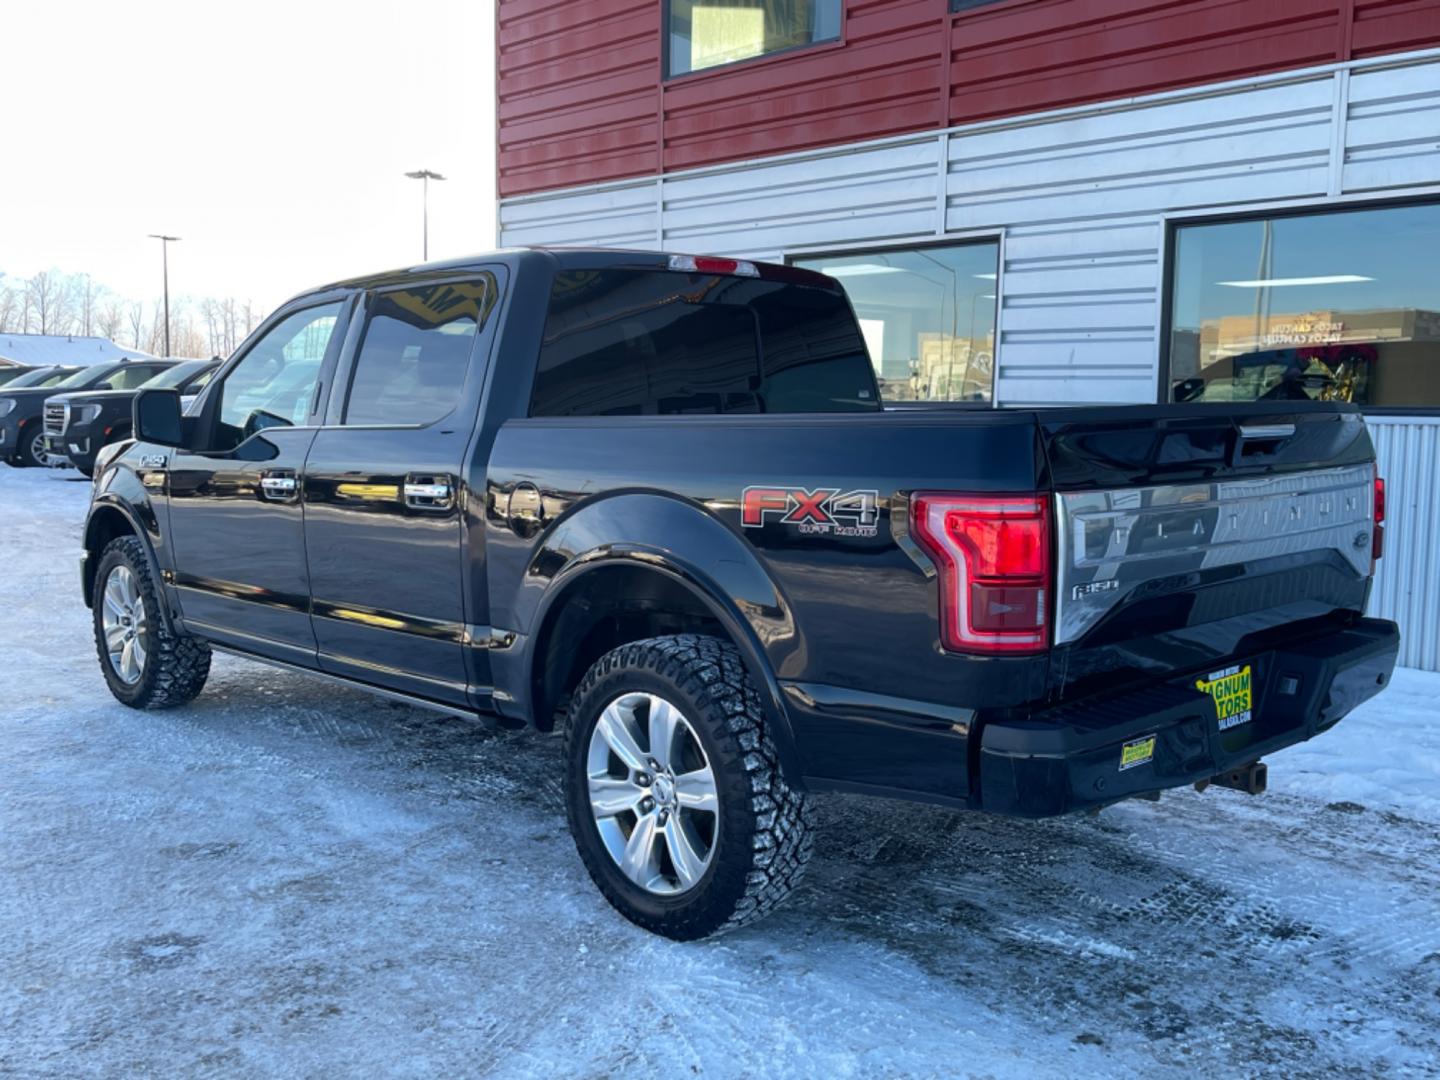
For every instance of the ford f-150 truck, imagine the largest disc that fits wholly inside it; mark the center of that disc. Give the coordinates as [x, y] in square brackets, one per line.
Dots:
[656, 502]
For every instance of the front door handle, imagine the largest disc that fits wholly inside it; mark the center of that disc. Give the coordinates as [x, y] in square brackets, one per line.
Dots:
[429, 492]
[279, 486]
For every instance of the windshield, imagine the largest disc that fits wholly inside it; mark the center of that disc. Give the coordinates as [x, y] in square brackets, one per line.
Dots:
[38, 377]
[176, 375]
[84, 377]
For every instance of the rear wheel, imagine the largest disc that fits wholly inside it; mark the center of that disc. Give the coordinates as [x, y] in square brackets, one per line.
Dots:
[146, 665]
[676, 799]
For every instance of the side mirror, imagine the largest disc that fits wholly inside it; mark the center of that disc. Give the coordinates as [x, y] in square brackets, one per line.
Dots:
[103, 386]
[156, 417]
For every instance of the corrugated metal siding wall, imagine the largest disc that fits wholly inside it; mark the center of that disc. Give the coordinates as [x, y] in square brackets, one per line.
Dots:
[1080, 199]
[885, 78]
[576, 92]
[581, 97]
[1407, 586]
[1045, 55]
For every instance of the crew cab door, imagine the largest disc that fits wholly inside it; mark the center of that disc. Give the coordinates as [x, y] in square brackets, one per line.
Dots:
[235, 514]
[385, 493]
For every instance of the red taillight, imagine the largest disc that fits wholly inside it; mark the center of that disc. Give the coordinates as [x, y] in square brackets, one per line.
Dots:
[707, 264]
[993, 555]
[1377, 547]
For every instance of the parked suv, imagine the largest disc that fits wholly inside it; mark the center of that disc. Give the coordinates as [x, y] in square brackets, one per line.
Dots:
[80, 424]
[22, 427]
[655, 501]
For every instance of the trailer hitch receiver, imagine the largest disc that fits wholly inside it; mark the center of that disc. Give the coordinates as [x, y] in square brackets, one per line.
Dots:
[1249, 778]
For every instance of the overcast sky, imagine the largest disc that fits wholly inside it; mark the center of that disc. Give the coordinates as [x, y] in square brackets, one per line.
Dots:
[272, 137]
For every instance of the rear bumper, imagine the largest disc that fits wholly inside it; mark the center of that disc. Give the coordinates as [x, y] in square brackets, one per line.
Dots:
[1075, 756]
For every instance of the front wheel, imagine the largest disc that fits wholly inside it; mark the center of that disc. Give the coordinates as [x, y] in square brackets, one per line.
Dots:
[146, 664]
[675, 794]
[32, 449]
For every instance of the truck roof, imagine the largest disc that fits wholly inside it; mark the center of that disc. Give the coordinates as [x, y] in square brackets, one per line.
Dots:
[563, 258]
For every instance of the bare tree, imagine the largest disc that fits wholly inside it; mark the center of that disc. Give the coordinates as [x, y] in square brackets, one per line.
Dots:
[213, 312]
[110, 320]
[136, 320]
[10, 307]
[49, 296]
[88, 295]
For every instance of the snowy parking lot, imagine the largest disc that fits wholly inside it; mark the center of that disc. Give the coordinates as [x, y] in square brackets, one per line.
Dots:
[286, 878]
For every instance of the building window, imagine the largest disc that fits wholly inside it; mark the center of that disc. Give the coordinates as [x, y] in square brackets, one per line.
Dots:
[708, 33]
[1332, 306]
[928, 316]
[965, 5]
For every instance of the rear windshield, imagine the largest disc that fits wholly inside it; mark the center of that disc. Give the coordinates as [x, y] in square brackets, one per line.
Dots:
[641, 342]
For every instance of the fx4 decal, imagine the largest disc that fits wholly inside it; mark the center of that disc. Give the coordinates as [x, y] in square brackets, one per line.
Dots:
[817, 512]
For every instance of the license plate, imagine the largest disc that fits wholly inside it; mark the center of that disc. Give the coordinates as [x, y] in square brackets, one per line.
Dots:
[1232, 690]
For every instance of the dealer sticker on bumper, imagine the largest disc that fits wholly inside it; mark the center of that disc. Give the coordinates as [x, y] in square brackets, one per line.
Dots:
[1137, 752]
[1230, 689]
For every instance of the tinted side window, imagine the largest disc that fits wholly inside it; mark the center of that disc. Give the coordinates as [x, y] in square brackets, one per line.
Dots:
[631, 342]
[132, 375]
[416, 351]
[274, 382]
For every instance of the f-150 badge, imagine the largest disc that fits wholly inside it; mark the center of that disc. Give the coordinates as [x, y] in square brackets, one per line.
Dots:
[817, 512]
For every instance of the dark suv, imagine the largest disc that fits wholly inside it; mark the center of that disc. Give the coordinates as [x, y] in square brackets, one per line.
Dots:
[22, 426]
[79, 424]
[655, 501]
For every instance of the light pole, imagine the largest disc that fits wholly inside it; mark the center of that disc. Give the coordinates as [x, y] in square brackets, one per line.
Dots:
[165, 242]
[425, 176]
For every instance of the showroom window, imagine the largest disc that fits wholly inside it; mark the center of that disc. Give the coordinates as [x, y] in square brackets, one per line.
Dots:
[709, 33]
[1332, 306]
[928, 316]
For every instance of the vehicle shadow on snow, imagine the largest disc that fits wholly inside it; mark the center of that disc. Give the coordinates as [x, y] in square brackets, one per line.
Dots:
[1139, 922]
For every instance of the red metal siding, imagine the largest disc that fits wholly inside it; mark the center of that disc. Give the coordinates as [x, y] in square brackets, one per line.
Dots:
[1383, 26]
[1027, 57]
[577, 92]
[884, 79]
[581, 99]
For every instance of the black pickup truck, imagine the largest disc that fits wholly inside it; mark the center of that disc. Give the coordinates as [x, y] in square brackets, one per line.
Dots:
[79, 425]
[655, 501]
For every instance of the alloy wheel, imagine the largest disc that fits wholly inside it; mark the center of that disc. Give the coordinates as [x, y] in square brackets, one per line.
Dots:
[123, 621]
[38, 453]
[652, 793]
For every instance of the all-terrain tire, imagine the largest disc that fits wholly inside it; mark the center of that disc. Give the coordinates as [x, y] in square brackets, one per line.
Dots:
[763, 839]
[175, 667]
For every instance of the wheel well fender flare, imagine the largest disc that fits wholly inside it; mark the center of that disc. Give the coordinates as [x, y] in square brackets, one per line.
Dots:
[700, 555]
[104, 512]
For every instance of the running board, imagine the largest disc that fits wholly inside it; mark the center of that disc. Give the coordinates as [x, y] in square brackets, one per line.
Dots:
[379, 691]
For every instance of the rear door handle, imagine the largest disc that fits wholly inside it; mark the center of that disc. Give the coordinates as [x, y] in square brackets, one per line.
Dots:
[279, 486]
[427, 492]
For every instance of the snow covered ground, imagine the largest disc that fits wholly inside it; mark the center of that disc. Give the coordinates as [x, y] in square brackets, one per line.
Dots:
[287, 878]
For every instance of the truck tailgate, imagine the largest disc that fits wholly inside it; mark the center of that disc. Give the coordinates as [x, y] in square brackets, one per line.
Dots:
[1186, 535]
